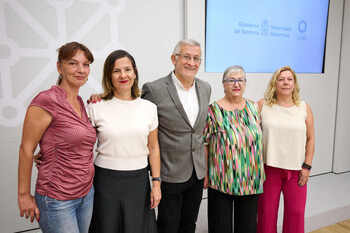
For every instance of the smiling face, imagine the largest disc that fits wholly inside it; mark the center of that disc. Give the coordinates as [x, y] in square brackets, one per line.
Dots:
[75, 71]
[234, 84]
[123, 75]
[285, 84]
[187, 62]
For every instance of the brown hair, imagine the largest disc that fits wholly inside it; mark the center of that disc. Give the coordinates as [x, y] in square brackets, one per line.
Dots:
[107, 74]
[270, 93]
[68, 50]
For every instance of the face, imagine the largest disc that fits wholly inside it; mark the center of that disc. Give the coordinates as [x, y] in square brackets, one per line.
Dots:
[285, 83]
[123, 75]
[75, 71]
[234, 84]
[187, 61]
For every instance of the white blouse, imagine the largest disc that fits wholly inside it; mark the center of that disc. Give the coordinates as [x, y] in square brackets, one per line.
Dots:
[122, 130]
[284, 135]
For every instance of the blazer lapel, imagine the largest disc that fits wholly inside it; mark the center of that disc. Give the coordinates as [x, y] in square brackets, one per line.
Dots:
[200, 99]
[175, 97]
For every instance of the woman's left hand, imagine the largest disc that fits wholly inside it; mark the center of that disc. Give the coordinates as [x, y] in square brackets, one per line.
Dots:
[303, 176]
[156, 195]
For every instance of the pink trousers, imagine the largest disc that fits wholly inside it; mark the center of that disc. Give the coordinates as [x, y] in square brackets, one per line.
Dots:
[286, 181]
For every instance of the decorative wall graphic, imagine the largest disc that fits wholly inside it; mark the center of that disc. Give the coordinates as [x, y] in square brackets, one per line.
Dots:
[30, 33]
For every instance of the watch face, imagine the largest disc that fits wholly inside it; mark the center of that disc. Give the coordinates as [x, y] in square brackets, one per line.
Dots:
[306, 166]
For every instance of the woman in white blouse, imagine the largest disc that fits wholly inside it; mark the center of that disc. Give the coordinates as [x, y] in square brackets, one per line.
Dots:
[126, 127]
[288, 150]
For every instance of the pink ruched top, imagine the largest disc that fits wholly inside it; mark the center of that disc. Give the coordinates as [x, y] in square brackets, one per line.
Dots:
[67, 169]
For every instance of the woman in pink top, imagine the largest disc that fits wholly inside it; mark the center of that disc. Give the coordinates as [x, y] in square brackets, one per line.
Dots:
[56, 120]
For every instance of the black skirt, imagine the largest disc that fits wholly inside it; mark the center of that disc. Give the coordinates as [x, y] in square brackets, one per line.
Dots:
[122, 202]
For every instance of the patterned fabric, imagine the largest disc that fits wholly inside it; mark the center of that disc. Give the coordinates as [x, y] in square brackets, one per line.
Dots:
[235, 150]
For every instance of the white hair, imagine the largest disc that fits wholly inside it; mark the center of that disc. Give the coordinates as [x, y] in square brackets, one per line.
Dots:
[185, 42]
[233, 69]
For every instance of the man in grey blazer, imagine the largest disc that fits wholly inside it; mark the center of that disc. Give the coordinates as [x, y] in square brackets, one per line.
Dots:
[182, 103]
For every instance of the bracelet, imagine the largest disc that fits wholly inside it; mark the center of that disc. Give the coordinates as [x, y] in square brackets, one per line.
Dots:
[156, 179]
[306, 166]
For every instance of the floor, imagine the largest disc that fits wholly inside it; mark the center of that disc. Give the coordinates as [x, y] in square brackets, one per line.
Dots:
[328, 203]
[341, 227]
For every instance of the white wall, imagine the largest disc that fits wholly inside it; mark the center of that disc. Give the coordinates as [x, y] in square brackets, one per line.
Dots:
[320, 91]
[341, 146]
[31, 31]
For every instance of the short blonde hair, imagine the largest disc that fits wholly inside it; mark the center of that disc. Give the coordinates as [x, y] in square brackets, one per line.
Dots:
[270, 93]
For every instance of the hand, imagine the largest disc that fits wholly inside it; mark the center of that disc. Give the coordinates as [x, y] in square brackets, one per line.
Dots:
[156, 195]
[303, 176]
[27, 207]
[37, 159]
[206, 182]
[94, 98]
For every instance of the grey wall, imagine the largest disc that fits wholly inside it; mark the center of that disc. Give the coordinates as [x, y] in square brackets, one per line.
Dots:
[31, 31]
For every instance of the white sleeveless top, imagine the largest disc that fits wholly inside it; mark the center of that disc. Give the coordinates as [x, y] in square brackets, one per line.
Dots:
[284, 135]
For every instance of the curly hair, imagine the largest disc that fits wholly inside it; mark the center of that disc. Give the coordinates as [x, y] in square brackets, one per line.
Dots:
[270, 93]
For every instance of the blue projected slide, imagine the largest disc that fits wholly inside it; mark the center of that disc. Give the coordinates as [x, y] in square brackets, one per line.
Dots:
[263, 35]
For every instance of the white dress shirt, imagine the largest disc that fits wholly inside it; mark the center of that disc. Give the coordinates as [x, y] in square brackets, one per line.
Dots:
[188, 99]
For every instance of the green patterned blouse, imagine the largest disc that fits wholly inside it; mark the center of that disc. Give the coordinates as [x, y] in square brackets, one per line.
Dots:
[234, 140]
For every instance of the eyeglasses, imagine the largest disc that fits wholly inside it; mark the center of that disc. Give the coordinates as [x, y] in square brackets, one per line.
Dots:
[188, 58]
[234, 81]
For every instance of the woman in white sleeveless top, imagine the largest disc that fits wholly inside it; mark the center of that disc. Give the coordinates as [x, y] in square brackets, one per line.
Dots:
[288, 149]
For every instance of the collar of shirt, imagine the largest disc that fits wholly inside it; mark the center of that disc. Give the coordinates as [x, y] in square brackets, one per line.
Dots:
[188, 99]
[178, 84]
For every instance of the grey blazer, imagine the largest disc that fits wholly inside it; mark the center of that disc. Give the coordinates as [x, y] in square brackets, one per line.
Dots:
[181, 145]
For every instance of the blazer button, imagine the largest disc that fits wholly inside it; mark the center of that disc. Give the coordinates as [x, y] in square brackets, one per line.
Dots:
[193, 150]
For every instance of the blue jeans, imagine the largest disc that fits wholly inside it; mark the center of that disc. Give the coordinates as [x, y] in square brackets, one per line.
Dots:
[72, 216]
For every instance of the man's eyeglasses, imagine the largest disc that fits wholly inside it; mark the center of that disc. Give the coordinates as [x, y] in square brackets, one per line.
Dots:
[234, 81]
[188, 58]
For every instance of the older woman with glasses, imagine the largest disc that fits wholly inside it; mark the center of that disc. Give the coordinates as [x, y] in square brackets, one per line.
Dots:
[234, 153]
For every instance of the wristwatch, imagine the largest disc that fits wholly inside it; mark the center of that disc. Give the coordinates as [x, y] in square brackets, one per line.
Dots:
[306, 166]
[156, 179]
